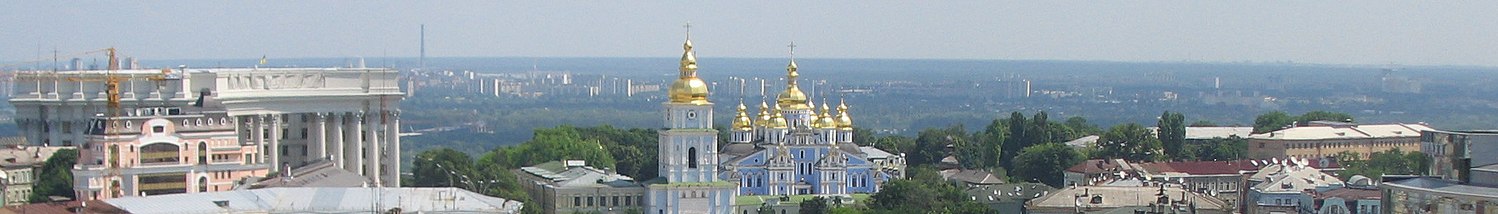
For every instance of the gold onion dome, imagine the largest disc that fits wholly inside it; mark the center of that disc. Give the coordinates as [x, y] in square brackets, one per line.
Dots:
[764, 114]
[742, 121]
[843, 120]
[688, 88]
[777, 121]
[826, 120]
[792, 98]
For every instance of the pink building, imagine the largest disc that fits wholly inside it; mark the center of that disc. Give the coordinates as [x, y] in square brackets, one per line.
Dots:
[163, 150]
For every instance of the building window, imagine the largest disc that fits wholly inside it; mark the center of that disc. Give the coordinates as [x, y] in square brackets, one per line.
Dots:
[692, 157]
[157, 129]
[577, 201]
[616, 201]
[590, 201]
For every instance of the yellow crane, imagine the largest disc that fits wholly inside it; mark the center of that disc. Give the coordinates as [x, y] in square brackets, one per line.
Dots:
[111, 80]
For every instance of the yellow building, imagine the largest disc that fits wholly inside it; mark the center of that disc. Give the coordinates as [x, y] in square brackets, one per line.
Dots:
[1320, 139]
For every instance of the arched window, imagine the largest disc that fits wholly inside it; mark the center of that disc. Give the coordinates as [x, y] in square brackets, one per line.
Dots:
[202, 184]
[692, 157]
[202, 152]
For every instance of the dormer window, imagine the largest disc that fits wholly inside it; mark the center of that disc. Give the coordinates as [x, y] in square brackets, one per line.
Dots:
[158, 129]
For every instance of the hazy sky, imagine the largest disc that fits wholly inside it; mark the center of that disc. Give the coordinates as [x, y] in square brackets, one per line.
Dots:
[1366, 32]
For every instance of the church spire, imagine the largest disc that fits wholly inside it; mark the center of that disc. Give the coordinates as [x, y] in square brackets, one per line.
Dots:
[792, 98]
[688, 88]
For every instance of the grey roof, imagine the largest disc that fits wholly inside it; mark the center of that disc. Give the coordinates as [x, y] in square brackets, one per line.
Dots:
[736, 150]
[875, 153]
[970, 176]
[1296, 179]
[318, 174]
[27, 156]
[1445, 186]
[1083, 142]
[321, 200]
[560, 175]
[13, 140]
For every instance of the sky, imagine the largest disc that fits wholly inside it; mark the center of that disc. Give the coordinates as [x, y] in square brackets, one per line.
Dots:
[1361, 32]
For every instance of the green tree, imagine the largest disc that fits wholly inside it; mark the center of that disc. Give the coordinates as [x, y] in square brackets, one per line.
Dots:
[55, 177]
[1172, 133]
[1392, 162]
[1272, 121]
[765, 208]
[1232, 148]
[1324, 116]
[991, 141]
[1082, 127]
[923, 192]
[1045, 163]
[1203, 123]
[441, 167]
[1015, 141]
[932, 144]
[1130, 142]
[814, 205]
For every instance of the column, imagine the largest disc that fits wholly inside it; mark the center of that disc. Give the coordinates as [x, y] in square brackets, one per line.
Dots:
[319, 138]
[258, 133]
[393, 145]
[337, 139]
[275, 144]
[355, 143]
[372, 147]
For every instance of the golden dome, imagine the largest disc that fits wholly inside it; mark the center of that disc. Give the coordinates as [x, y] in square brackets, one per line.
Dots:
[843, 120]
[777, 121]
[825, 120]
[688, 88]
[764, 114]
[792, 98]
[741, 121]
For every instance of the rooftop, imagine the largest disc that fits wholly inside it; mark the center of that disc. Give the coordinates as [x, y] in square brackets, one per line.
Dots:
[1345, 132]
[1444, 186]
[320, 199]
[1200, 167]
[16, 156]
[1115, 197]
[1351, 194]
[560, 174]
[318, 174]
[1297, 179]
[978, 177]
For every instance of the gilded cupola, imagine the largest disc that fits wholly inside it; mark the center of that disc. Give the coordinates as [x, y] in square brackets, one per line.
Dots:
[776, 119]
[843, 120]
[741, 121]
[764, 114]
[825, 120]
[792, 98]
[688, 88]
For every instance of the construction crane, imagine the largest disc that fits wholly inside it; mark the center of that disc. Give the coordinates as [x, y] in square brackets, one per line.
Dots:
[111, 80]
[113, 63]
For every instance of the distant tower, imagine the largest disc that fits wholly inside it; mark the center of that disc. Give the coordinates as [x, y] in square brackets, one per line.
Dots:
[1217, 83]
[1027, 88]
[423, 60]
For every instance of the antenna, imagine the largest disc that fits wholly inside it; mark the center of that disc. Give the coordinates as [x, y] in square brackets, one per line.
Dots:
[423, 59]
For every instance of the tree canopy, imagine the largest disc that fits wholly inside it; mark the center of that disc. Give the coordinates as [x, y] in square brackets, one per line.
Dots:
[1045, 163]
[55, 177]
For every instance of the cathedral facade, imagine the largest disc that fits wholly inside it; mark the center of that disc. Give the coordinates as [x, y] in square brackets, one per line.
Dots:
[792, 148]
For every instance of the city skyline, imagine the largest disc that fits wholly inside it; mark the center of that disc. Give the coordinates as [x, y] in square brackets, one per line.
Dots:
[1402, 33]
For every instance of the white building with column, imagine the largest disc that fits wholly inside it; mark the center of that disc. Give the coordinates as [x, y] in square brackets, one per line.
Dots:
[349, 116]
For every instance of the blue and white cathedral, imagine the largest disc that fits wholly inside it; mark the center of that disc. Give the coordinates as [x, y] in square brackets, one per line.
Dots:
[791, 148]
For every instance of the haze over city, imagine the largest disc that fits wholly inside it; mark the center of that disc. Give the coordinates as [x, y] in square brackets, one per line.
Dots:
[1371, 33]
